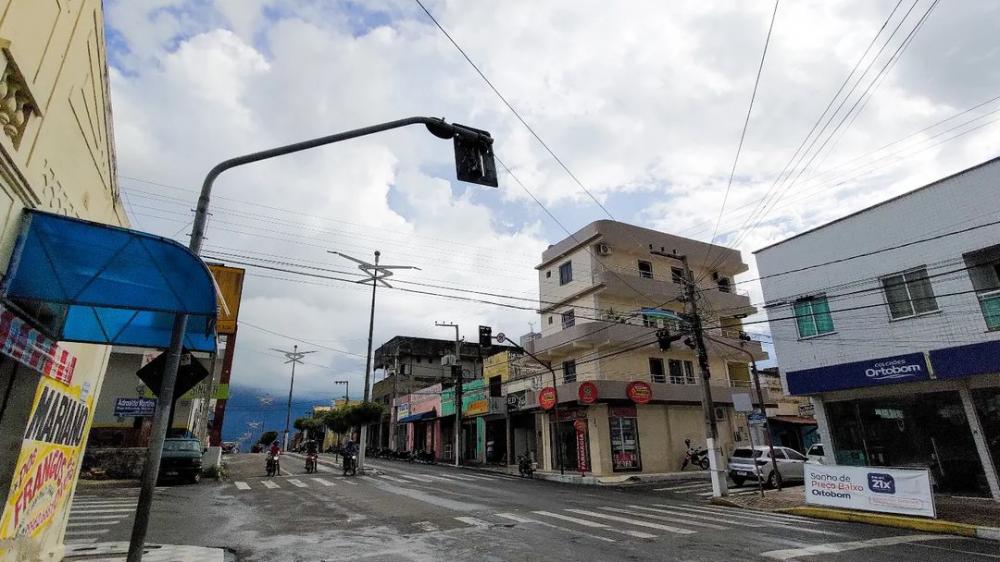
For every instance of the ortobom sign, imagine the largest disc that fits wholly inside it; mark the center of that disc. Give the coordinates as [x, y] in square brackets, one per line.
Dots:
[885, 370]
[888, 490]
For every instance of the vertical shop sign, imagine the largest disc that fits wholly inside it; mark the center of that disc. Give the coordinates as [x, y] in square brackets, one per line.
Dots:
[581, 445]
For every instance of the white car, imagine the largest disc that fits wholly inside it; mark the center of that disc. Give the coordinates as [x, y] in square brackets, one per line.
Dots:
[815, 454]
[750, 463]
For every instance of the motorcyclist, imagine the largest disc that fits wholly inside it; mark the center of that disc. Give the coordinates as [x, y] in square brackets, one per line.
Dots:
[311, 447]
[275, 449]
[350, 450]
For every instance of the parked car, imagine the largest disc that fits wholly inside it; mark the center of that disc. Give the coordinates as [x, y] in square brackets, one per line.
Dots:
[746, 463]
[182, 458]
[815, 454]
[229, 448]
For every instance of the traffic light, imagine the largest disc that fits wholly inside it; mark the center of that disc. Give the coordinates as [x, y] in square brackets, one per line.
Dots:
[474, 161]
[664, 338]
[485, 336]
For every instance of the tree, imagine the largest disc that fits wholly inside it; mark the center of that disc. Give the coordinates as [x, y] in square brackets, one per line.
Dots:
[268, 437]
[337, 421]
[364, 413]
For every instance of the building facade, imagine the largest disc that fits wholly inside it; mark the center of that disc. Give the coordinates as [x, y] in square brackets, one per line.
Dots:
[624, 404]
[890, 322]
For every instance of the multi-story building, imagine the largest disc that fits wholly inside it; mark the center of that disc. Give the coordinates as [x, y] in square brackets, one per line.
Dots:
[625, 405]
[889, 319]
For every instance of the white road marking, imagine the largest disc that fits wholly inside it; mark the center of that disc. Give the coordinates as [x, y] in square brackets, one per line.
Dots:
[596, 525]
[462, 477]
[323, 481]
[442, 478]
[394, 479]
[96, 517]
[693, 516]
[242, 485]
[473, 521]
[655, 516]
[89, 523]
[657, 526]
[763, 519]
[934, 546]
[426, 526]
[417, 478]
[82, 541]
[270, 484]
[770, 514]
[520, 519]
[346, 481]
[678, 488]
[297, 483]
[833, 548]
[86, 533]
[107, 502]
[104, 510]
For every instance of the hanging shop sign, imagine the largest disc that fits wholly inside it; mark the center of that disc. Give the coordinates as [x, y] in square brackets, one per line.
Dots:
[134, 407]
[886, 490]
[477, 408]
[886, 370]
[639, 392]
[33, 349]
[587, 393]
[581, 446]
[517, 400]
[547, 398]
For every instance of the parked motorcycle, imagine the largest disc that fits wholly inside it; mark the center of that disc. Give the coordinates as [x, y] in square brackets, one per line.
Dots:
[524, 466]
[311, 463]
[426, 457]
[695, 456]
[350, 464]
[273, 465]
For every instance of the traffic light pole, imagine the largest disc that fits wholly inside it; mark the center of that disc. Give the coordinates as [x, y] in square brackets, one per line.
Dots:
[456, 371]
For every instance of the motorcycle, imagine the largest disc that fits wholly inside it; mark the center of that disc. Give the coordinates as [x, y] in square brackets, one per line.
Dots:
[350, 464]
[524, 466]
[273, 465]
[426, 457]
[695, 456]
[311, 463]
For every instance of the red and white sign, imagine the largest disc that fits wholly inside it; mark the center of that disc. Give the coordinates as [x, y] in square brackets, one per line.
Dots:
[587, 393]
[581, 446]
[639, 392]
[33, 349]
[547, 398]
[580, 424]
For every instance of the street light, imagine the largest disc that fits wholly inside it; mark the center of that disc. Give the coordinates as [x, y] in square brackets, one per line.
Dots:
[474, 163]
[294, 357]
[347, 390]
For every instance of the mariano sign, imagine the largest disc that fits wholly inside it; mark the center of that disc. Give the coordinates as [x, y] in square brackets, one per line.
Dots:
[888, 490]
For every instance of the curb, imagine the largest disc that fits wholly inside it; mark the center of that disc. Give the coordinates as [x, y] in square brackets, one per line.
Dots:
[897, 521]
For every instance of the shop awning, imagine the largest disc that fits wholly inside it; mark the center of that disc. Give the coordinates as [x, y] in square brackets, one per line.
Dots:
[94, 283]
[797, 420]
[418, 417]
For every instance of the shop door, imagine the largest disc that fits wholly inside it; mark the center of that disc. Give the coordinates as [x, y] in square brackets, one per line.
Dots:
[573, 447]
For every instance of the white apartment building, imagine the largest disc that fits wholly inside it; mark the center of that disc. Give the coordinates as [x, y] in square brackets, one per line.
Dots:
[889, 319]
[625, 405]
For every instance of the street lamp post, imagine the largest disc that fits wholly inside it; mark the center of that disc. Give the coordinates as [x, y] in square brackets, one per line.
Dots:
[294, 357]
[473, 162]
[347, 391]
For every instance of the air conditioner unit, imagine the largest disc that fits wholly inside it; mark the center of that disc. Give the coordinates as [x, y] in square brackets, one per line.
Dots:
[604, 249]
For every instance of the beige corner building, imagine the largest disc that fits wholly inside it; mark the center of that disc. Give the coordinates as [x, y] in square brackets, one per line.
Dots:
[625, 406]
[56, 155]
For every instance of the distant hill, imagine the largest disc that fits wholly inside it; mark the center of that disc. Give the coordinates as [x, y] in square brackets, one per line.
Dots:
[244, 406]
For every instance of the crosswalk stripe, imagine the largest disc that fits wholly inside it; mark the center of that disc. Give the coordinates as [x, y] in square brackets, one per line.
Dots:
[107, 502]
[439, 477]
[693, 516]
[393, 478]
[346, 481]
[654, 516]
[104, 510]
[473, 521]
[297, 483]
[576, 520]
[462, 477]
[81, 541]
[679, 488]
[426, 526]
[242, 486]
[270, 484]
[520, 519]
[658, 526]
[761, 518]
[755, 515]
[73, 517]
[86, 533]
[415, 477]
[323, 481]
[89, 523]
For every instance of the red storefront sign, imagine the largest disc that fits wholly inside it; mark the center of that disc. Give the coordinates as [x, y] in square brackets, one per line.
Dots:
[547, 398]
[33, 349]
[581, 447]
[587, 393]
[580, 424]
[639, 392]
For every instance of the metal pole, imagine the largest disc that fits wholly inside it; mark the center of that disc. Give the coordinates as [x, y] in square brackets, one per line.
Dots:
[291, 385]
[437, 127]
[547, 365]
[368, 368]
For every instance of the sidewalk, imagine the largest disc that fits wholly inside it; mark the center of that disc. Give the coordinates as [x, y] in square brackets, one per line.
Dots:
[969, 517]
[576, 478]
[152, 552]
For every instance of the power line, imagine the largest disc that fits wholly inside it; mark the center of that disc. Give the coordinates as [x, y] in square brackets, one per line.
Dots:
[286, 336]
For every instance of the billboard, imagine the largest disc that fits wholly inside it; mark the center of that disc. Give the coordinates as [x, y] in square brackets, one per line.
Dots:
[886, 370]
[229, 286]
[887, 490]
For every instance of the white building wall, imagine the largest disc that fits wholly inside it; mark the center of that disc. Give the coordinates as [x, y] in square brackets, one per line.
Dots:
[955, 203]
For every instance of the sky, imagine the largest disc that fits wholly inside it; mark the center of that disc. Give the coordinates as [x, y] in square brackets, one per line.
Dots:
[644, 102]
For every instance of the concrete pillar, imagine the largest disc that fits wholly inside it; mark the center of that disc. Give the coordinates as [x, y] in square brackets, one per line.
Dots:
[977, 435]
[824, 430]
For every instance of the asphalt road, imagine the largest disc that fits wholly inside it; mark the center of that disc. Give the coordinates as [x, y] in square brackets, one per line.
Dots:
[419, 512]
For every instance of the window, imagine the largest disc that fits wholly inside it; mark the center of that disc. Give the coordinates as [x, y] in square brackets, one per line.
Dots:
[645, 269]
[812, 314]
[550, 320]
[681, 372]
[625, 455]
[720, 414]
[794, 455]
[656, 372]
[984, 272]
[565, 273]
[548, 274]
[677, 275]
[568, 319]
[725, 285]
[496, 385]
[648, 321]
[779, 454]
[909, 293]
[569, 371]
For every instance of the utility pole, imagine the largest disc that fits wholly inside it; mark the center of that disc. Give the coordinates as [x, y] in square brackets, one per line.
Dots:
[294, 357]
[392, 404]
[347, 391]
[719, 483]
[377, 274]
[456, 371]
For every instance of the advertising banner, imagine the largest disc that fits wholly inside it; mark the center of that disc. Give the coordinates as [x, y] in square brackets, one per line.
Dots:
[47, 465]
[887, 490]
[33, 349]
[134, 407]
[886, 370]
[229, 284]
[581, 447]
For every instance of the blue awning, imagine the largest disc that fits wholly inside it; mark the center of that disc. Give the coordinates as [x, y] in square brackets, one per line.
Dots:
[94, 283]
[418, 417]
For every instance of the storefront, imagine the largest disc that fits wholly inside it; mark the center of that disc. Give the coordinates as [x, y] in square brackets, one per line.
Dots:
[625, 453]
[523, 431]
[938, 410]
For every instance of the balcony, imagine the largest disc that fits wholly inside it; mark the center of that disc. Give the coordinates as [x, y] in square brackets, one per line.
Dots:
[731, 302]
